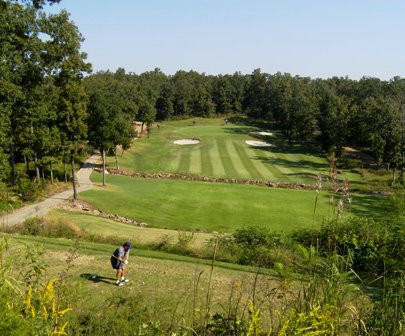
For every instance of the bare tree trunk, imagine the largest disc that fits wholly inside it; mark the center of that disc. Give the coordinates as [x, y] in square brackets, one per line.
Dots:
[117, 165]
[36, 168]
[401, 173]
[73, 178]
[65, 172]
[103, 155]
[50, 167]
[394, 172]
[27, 164]
[43, 174]
[13, 179]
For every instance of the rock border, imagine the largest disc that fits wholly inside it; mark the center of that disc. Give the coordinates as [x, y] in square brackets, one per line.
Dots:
[79, 205]
[189, 177]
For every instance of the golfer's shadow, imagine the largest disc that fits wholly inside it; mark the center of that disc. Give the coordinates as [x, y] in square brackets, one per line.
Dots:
[97, 278]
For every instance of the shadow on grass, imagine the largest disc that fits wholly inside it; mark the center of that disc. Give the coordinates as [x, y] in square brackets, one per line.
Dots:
[253, 127]
[284, 147]
[98, 278]
[261, 124]
[372, 205]
[302, 164]
[240, 130]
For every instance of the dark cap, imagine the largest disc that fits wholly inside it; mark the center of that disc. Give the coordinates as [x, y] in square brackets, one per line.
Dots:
[127, 244]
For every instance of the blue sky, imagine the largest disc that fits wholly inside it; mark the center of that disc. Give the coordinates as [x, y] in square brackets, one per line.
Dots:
[316, 38]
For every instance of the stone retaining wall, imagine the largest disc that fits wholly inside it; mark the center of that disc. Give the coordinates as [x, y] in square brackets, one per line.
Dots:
[80, 205]
[189, 177]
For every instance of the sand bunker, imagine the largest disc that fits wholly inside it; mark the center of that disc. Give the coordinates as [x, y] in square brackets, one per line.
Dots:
[258, 143]
[264, 133]
[186, 142]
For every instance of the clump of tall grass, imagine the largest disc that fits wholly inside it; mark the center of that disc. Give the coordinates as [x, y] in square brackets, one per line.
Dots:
[60, 228]
[39, 226]
[30, 304]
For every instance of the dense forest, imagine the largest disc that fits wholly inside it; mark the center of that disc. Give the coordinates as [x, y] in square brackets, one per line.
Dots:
[51, 107]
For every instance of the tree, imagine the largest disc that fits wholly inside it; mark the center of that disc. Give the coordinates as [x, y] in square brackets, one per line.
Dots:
[64, 61]
[164, 103]
[146, 113]
[333, 121]
[21, 75]
[256, 102]
[113, 105]
[293, 104]
[396, 92]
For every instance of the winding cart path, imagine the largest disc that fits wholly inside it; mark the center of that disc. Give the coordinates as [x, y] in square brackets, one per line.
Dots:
[42, 208]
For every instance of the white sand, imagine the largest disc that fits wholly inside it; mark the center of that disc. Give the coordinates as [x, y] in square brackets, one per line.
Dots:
[264, 133]
[186, 142]
[258, 143]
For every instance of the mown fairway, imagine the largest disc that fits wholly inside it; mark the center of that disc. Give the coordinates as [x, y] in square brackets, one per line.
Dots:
[214, 206]
[223, 152]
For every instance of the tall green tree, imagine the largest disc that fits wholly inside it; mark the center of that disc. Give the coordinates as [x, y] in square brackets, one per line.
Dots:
[333, 122]
[256, 102]
[119, 93]
[396, 92]
[64, 61]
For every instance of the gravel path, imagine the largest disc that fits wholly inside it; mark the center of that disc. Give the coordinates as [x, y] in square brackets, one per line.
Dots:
[42, 208]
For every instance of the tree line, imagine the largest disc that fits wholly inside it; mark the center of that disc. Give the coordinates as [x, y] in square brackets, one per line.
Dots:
[50, 111]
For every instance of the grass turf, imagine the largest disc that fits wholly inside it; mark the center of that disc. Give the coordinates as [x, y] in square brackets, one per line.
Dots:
[165, 286]
[223, 152]
[105, 227]
[205, 206]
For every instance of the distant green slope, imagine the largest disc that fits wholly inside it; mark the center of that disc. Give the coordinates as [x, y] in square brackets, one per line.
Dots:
[223, 152]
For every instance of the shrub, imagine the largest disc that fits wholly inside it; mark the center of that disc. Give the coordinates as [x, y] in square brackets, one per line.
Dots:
[62, 227]
[8, 200]
[255, 236]
[369, 246]
[27, 189]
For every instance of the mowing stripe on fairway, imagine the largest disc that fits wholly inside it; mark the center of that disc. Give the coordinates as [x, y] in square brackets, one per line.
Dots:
[195, 160]
[206, 159]
[275, 172]
[174, 163]
[218, 168]
[250, 165]
[260, 159]
[285, 171]
[184, 165]
[225, 159]
[236, 159]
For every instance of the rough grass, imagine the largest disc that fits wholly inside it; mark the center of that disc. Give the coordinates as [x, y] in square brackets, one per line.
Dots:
[108, 228]
[224, 153]
[165, 281]
[204, 206]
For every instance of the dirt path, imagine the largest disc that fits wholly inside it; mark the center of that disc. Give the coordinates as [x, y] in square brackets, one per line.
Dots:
[41, 208]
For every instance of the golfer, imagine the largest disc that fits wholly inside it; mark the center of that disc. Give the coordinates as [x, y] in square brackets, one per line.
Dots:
[118, 261]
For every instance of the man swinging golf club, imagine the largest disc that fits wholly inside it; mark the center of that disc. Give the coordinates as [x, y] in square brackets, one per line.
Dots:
[119, 260]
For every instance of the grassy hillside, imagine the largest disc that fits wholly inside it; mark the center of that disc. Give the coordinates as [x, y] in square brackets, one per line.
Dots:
[104, 227]
[223, 152]
[215, 206]
[167, 289]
